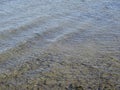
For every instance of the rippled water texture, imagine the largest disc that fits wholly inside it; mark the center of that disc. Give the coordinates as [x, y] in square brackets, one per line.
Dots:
[22, 20]
[84, 29]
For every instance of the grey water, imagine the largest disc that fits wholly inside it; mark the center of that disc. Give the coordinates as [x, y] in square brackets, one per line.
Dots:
[23, 20]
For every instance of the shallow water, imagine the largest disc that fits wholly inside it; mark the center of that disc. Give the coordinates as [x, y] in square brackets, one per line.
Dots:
[28, 27]
[20, 20]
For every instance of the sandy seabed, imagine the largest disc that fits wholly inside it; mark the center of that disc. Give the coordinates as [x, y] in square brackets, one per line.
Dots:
[60, 45]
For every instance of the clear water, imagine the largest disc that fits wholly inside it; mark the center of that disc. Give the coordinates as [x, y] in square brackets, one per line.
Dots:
[24, 20]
